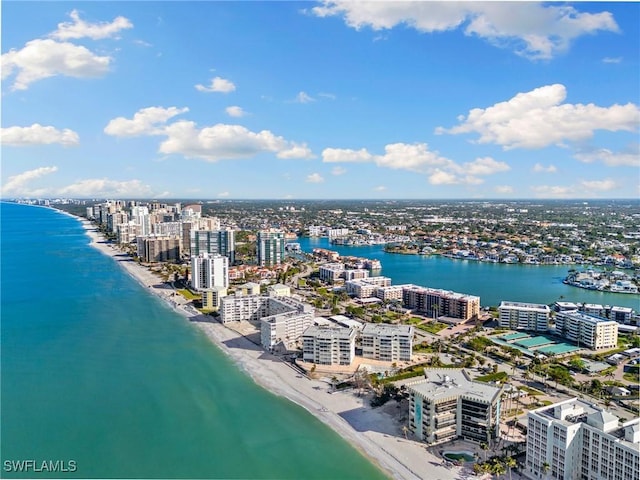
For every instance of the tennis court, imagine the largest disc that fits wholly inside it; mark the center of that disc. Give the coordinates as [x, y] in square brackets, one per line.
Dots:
[558, 349]
[534, 342]
[515, 336]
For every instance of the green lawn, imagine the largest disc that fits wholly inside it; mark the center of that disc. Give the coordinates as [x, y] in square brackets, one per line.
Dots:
[188, 295]
[531, 391]
[492, 377]
[631, 377]
[432, 327]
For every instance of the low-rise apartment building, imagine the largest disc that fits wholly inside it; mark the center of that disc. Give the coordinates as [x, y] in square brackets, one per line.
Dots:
[329, 345]
[589, 331]
[436, 302]
[390, 343]
[524, 316]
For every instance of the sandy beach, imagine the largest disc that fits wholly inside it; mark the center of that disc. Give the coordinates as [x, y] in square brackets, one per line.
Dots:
[376, 433]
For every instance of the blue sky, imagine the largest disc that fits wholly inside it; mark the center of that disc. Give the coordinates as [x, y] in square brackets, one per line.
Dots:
[320, 100]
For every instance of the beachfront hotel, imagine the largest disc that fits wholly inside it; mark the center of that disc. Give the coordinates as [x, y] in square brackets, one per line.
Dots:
[270, 247]
[524, 316]
[390, 343]
[436, 302]
[576, 440]
[209, 271]
[589, 331]
[447, 404]
[329, 345]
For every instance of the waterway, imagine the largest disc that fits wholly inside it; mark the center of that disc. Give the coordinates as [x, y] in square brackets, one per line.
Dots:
[492, 282]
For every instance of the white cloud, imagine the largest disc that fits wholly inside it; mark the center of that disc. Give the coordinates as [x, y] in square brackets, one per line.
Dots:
[218, 84]
[582, 189]
[414, 157]
[37, 134]
[380, 188]
[213, 143]
[314, 178]
[485, 166]
[235, 111]
[599, 185]
[331, 155]
[102, 187]
[223, 141]
[80, 29]
[612, 60]
[147, 121]
[418, 158]
[553, 191]
[296, 151]
[539, 168]
[630, 158]
[47, 58]
[533, 30]
[538, 118]
[223, 194]
[18, 184]
[302, 97]
[330, 96]
[504, 189]
[338, 171]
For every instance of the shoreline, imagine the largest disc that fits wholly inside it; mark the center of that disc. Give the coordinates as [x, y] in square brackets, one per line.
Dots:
[375, 433]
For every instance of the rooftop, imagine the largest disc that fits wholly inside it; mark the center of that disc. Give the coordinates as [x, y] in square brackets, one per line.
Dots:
[441, 383]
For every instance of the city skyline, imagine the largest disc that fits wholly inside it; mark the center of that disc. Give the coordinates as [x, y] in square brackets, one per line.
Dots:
[320, 100]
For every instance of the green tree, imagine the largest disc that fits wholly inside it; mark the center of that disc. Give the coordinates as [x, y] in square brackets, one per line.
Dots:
[510, 463]
[545, 469]
[498, 468]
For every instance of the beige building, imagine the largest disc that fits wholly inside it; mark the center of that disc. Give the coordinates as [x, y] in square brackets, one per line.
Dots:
[212, 298]
[436, 302]
[447, 404]
[159, 248]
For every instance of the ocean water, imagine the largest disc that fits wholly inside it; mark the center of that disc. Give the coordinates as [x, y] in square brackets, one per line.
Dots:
[492, 282]
[103, 378]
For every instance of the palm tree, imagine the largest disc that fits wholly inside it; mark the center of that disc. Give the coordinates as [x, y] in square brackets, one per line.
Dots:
[484, 446]
[510, 462]
[545, 468]
[498, 468]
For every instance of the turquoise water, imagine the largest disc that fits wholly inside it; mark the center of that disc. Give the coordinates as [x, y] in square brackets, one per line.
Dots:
[492, 282]
[98, 372]
[464, 456]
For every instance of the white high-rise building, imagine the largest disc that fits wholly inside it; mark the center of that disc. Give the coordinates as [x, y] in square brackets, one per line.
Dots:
[209, 271]
[140, 216]
[524, 316]
[575, 440]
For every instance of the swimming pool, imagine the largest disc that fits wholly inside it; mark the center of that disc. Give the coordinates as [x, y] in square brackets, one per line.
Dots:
[459, 456]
